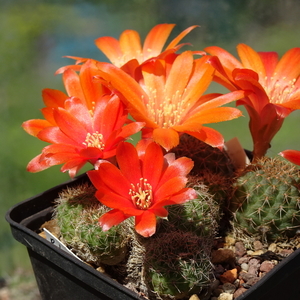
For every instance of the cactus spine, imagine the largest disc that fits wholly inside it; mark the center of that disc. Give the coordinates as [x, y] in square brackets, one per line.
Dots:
[77, 212]
[267, 199]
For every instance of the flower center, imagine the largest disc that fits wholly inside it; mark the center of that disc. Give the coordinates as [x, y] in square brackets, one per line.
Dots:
[94, 140]
[279, 90]
[141, 194]
[168, 111]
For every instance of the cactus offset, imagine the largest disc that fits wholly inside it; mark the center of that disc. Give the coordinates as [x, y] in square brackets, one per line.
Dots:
[200, 216]
[205, 157]
[177, 264]
[77, 212]
[267, 199]
[212, 166]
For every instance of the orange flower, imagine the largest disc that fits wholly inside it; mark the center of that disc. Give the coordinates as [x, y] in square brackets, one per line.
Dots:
[169, 98]
[129, 46]
[144, 183]
[128, 52]
[274, 85]
[291, 155]
[83, 127]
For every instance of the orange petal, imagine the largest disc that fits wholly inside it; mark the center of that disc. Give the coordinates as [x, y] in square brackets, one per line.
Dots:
[180, 37]
[36, 165]
[130, 89]
[128, 162]
[111, 218]
[72, 84]
[223, 99]
[270, 60]
[179, 75]
[200, 80]
[228, 61]
[145, 224]
[130, 44]
[54, 98]
[156, 40]
[184, 196]
[166, 137]
[153, 171]
[169, 188]
[251, 59]
[289, 65]
[92, 89]
[215, 115]
[180, 167]
[33, 127]
[291, 155]
[110, 47]
[209, 136]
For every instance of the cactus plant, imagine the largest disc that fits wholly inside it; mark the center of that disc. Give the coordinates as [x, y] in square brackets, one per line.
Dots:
[200, 216]
[77, 212]
[267, 199]
[177, 264]
[205, 157]
[212, 166]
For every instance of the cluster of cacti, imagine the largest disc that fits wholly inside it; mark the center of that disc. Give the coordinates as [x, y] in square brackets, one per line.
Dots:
[175, 262]
[266, 200]
[77, 212]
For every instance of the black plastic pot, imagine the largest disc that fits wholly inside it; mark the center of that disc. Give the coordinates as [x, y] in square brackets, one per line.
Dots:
[59, 275]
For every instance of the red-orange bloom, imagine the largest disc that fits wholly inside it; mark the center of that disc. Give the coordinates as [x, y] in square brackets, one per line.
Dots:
[129, 45]
[144, 183]
[83, 127]
[169, 98]
[274, 85]
[128, 53]
[291, 155]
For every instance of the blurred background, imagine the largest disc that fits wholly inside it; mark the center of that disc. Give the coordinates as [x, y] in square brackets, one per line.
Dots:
[36, 34]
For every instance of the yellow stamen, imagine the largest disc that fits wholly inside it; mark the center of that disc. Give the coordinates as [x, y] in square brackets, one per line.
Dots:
[94, 140]
[279, 90]
[166, 112]
[141, 194]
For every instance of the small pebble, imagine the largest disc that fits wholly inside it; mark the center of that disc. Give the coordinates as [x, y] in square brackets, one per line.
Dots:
[251, 282]
[244, 259]
[272, 247]
[225, 296]
[285, 252]
[245, 266]
[254, 265]
[246, 276]
[240, 249]
[239, 292]
[257, 245]
[266, 266]
[229, 288]
[194, 297]
[229, 276]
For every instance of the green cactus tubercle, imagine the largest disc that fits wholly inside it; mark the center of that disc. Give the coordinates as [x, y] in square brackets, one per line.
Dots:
[77, 212]
[267, 199]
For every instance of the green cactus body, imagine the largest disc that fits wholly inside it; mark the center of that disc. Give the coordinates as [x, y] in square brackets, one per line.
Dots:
[267, 199]
[200, 216]
[177, 264]
[77, 212]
